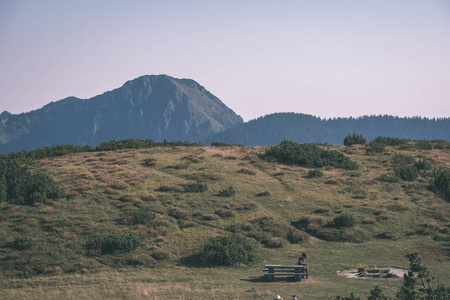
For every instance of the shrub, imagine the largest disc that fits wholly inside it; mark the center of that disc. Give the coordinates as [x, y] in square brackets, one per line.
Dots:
[308, 155]
[230, 250]
[375, 147]
[117, 242]
[314, 173]
[407, 172]
[354, 140]
[344, 220]
[441, 183]
[195, 188]
[228, 192]
[388, 178]
[402, 159]
[22, 243]
[422, 164]
[143, 216]
[167, 188]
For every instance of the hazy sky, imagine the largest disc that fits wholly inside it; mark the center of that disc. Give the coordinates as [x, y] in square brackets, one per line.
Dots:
[328, 58]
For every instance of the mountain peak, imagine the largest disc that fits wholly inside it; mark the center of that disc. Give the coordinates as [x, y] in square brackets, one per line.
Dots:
[156, 107]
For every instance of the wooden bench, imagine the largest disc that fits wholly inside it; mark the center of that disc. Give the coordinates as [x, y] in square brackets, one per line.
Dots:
[285, 270]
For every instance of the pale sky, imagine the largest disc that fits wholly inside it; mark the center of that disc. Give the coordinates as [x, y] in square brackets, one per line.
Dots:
[328, 58]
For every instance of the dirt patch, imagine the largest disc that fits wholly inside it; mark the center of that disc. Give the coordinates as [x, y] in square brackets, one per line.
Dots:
[379, 273]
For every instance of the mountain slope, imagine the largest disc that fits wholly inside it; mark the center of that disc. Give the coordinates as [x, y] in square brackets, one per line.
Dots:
[153, 107]
[272, 129]
[275, 206]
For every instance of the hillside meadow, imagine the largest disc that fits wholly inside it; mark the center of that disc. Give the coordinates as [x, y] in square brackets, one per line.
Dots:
[173, 200]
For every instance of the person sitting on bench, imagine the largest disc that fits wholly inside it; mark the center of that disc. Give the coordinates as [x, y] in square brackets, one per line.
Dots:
[302, 261]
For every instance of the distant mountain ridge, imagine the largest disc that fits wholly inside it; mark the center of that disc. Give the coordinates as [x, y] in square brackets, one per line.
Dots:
[301, 128]
[156, 107]
[160, 107]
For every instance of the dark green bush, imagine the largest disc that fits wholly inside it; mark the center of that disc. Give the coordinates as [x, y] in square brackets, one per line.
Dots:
[228, 192]
[344, 220]
[230, 250]
[143, 216]
[354, 140]
[388, 178]
[117, 243]
[22, 243]
[375, 147]
[441, 183]
[424, 145]
[402, 159]
[422, 164]
[19, 186]
[308, 155]
[406, 172]
[195, 188]
[314, 173]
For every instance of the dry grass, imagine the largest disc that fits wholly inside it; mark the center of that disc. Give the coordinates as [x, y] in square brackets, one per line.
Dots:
[104, 187]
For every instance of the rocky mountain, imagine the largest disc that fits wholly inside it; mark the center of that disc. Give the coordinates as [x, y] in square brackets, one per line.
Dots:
[153, 107]
[274, 128]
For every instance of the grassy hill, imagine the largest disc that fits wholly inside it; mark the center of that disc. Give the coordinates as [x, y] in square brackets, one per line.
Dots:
[168, 199]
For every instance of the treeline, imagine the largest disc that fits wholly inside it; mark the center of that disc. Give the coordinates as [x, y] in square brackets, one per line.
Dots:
[59, 150]
[301, 128]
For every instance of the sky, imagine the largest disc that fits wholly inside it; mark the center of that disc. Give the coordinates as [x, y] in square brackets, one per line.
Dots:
[327, 58]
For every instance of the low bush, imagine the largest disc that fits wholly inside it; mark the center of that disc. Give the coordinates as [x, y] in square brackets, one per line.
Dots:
[22, 243]
[195, 188]
[143, 216]
[228, 192]
[441, 183]
[167, 188]
[407, 172]
[116, 243]
[354, 139]
[314, 173]
[422, 164]
[230, 250]
[344, 220]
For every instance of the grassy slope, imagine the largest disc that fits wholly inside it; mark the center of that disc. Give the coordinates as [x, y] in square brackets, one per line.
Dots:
[103, 188]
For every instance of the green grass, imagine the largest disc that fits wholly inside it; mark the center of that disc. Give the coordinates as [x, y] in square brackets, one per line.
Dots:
[104, 189]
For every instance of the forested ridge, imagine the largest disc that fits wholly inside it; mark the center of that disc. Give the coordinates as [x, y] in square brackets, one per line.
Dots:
[274, 128]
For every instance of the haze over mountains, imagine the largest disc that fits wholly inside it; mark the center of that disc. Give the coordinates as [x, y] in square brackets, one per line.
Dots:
[160, 107]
